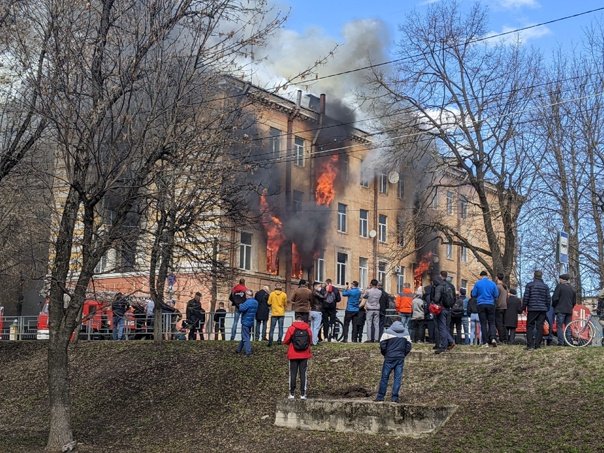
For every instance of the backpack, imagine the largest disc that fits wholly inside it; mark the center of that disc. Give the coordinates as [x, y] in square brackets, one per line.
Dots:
[447, 298]
[300, 339]
[457, 308]
[330, 299]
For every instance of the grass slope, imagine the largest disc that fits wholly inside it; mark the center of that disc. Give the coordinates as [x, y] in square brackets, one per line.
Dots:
[193, 396]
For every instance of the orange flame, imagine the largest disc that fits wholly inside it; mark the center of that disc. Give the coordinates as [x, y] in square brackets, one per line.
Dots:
[274, 236]
[297, 271]
[324, 190]
[421, 268]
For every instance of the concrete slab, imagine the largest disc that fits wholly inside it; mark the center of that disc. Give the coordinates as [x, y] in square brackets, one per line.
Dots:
[454, 356]
[342, 415]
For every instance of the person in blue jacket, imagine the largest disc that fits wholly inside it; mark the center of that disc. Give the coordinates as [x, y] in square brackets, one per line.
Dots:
[247, 311]
[486, 293]
[352, 310]
[395, 344]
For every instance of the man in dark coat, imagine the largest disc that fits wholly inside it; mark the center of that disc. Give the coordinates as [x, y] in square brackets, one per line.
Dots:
[262, 313]
[563, 301]
[510, 319]
[537, 301]
[196, 317]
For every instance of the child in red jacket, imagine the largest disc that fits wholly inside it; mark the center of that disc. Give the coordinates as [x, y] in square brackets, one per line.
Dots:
[299, 339]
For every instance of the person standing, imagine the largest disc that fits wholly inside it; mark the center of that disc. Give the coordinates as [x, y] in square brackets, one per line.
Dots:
[262, 314]
[563, 300]
[196, 317]
[219, 317]
[372, 306]
[457, 312]
[386, 303]
[316, 311]
[301, 301]
[119, 307]
[352, 310]
[486, 293]
[330, 308]
[511, 315]
[395, 344]
[444, 296]
[475, 328]
[237, 297]
[500, 307]
[248, 311]
[277, 300]
[537, 301]
[465, 319]
[404, 304]
[418, 333]
[299, 338]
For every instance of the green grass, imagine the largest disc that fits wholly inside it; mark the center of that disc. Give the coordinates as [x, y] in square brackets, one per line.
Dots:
[186, 396]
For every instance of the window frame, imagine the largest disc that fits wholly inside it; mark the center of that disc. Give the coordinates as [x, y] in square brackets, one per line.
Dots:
[363, 272]
[341, 268]
[342, 218]
[364, 222]
[450, 201]
[299, 145]
[382, 228]
[245, 258]
[383, 183]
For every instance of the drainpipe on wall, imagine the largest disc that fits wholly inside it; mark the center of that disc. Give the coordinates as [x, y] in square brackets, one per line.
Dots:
[288, 186]
[314, 150]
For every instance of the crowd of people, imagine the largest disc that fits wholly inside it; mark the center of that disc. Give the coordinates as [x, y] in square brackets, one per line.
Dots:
[436, 313]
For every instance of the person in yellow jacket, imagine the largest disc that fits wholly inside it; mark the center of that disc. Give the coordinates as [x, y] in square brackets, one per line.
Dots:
[277, 300]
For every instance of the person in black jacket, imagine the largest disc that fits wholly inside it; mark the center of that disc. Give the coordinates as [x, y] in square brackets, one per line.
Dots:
[395, 344]
[219, 318]
[537, 301]
[196, 317]
[563, 301]
[262, 313]
[510, 319]
[119, 307]
[385, 305]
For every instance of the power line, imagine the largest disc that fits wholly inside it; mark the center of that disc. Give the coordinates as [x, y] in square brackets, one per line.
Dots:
[473, 41]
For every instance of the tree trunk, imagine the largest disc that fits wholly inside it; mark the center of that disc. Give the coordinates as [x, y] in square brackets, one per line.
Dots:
[60, 433]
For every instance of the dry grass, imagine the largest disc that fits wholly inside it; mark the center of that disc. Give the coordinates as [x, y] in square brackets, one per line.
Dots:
[184, 396]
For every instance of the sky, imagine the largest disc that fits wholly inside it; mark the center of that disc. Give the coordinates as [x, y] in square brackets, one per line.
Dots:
[365, 32]
[332, 16]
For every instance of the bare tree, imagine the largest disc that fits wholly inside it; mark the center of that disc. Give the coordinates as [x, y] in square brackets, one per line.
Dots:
[472, 98]
[100, 94]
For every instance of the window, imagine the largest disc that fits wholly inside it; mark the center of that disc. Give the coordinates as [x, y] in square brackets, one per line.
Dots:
[464, 254]
[299, 151]
[463, 207]
[320, 269]
[342, 217]
[245, 251]
[341, 261]
[297, 200]
[464, 284]
[363, 223]
[449, 251]
[450, 196]
[275, 144]
[400, 231]
[434, 201]
[400, 281]
[383, 183]
[400, 188]
[364, 177]
[363, 272]
[382, 228]
[382, 273]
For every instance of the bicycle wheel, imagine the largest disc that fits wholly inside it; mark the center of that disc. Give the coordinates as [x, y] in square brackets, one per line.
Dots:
[337, 332]
[579, 333]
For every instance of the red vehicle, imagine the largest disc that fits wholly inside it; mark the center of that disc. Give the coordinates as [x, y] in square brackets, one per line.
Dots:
[579, 312]
[97, 320]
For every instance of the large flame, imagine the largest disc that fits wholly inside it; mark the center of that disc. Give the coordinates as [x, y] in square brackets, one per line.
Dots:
[274, 236]
[297, 271]
[421, 268]
[324, 190]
